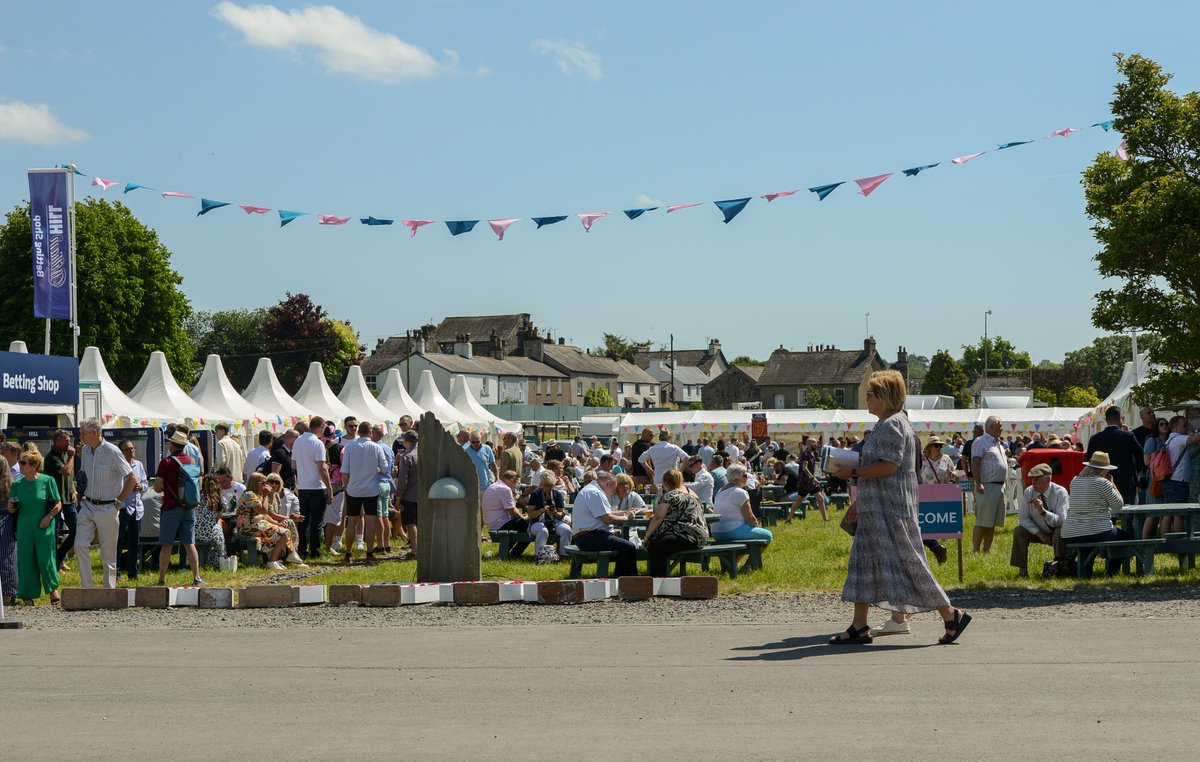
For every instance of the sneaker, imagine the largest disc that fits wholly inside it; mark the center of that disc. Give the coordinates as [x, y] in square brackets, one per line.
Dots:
[360, 546]
[294, 558]
[275, 565]
[338, 547]
[197, 582]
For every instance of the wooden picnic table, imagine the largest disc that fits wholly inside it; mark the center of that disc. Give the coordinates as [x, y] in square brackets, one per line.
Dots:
[1185, 546]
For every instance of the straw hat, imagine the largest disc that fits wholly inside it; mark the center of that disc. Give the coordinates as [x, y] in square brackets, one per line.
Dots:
[934, 441]
[1101, 461]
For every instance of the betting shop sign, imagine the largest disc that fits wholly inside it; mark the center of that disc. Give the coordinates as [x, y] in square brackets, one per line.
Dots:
[40, 379]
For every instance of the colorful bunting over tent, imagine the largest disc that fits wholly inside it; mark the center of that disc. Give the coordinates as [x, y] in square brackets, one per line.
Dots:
[207, 205]
[677, 207]
[286, 217]
[968, 157]
[458, 227]
[824, 190]
[1064, 132]
[590, 217]
[415, 224]
[374, 221]
[544, 221]
[868, 184]
[914, 171]
[331, 219]
[780, 194]
[732, 207]
[176, 194]
[134, 186]
[499, 226]
[104, 183]
[1013, 144]
[254, 209]
[1123, 151]
[633, 214]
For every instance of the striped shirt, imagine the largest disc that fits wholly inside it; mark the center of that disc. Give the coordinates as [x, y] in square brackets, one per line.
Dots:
[993, 463]
[1093, 499]
[106, 469]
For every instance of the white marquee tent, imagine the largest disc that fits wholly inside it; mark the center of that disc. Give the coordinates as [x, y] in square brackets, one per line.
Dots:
[462, 399]
[267, 394]
[118, 409]
[158, 390]
[358, 398]
[316, 395]
[429, 398]
[214, 392]
[395, 397]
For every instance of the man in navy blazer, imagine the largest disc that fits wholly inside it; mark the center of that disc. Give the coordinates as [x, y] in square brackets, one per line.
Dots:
[1123, 450]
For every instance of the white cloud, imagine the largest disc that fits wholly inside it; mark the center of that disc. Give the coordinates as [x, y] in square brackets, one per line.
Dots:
[642, 199]
[35, 124]
[571, 58]
[339, 41]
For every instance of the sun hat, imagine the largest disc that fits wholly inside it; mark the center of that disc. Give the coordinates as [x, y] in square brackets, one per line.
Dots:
[934, 441]
[1041, 469]
[178, 438]
[1101, 461]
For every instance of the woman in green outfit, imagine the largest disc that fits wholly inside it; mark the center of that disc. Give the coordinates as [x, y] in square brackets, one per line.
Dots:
[36, 502]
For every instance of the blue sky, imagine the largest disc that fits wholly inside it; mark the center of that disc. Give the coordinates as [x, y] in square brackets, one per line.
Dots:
[451, 110]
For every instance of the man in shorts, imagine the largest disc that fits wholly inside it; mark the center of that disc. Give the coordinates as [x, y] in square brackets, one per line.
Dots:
[989, 470]
[177, 523]
[362, 463]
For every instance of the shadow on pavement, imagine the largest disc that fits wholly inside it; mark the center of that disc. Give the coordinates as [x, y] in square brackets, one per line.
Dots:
[790, 649]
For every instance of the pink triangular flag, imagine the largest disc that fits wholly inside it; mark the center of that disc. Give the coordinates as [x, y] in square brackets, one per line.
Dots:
[499, 226]
[588, 218]
[1063, 133]
[104, 183]
[968, 157]
[414, 224]
[254, 209]
[682, 206]
[868, 184]
[1123, 151]
[772, 196]
[176, 194]
[331, 219]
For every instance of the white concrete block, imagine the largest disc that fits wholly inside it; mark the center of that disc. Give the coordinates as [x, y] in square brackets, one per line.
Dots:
[529, 592]
[446, 592]
[666, 586]
[514, 592]
[184, 596]
[421, 593]
[310, 594]
[595, 589]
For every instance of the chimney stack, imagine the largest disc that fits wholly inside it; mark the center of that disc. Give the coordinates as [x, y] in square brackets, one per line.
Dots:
[462, 345]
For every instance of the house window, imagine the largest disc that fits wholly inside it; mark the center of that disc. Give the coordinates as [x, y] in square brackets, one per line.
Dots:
[484, 391]
[839, 396]
[579, 389]
[801, 397]
[779, 402]
[560, 383]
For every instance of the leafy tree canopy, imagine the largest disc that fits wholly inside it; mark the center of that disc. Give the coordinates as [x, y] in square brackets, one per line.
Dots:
[1105, 358]
[746, 360]
[1001, 355]
[598, 398]
[947, 377]
[235, 335]
[618, 345]
[296, 332]
[821, 399]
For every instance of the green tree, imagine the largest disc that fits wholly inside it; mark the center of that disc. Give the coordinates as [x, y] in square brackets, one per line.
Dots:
[297, 332]
[598, 398]
[619, 346]
[918, 366]
[1045, 396]
[1105, 358]
[1075, 396]
[235, 335]
[746, 360]
[820, 399]
[346, 352]
[947, 377]
[999, 349]
[1147, 221]
[1055, 381]
[129, 299]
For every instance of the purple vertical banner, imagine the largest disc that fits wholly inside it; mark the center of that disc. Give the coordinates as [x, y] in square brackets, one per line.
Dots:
[51, 244]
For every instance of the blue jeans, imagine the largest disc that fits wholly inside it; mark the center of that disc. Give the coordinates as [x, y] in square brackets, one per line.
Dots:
[128, 556]
[1112, 566]
[70, 516]
[602, 539]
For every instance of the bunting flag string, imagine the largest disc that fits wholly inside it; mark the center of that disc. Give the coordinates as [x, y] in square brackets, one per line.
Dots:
[729, 208]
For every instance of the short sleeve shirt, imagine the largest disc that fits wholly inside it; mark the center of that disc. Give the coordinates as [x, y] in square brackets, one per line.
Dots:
[362, 461]
[36, 496]
[168, 471]
[308, 452]
[283, 456]
[53, 464]
[105, 468]
[590, 504]
[496, 503]
[483, 458]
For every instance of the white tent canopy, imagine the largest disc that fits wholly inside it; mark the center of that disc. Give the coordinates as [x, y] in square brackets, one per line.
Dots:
[214, 392]
[117, 406]
[396, 398]
[462, 399]
[358, 398]
[316, 395]
[429, 398]
[266, 394]
[158, 390]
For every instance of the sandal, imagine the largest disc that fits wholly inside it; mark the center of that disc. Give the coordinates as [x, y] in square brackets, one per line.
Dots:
[852, 637]
[955, 627]
[55, 600]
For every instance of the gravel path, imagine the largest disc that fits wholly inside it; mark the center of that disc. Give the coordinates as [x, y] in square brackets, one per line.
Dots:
[1140, 603]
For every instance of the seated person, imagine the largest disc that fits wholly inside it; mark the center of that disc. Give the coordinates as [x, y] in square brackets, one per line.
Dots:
[1040, 516]
[285, 506]
[732, 504]
[500, 511]
[608, 464]
[231, 490]
[677, 525]
[254, 521]
[625, 497]
[1093, 499]
[208, 521]
[592, 520]
[546, 512]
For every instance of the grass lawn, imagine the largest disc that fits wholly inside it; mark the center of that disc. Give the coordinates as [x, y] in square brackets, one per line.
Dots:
[808, 555]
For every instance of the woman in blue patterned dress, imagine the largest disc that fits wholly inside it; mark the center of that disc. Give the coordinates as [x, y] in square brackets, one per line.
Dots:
[887, 561]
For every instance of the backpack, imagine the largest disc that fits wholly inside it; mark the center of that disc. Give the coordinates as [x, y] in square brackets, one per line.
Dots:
[188, 490]
[267, 467]
[1161, 468]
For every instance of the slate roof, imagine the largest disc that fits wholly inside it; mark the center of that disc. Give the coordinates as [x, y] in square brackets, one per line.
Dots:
[827, 366]
[480, 327]
[697, 358]
[686, 374]
[753, 371]
[489, 366]
[523, 366]
[576, 360]
[392, 352]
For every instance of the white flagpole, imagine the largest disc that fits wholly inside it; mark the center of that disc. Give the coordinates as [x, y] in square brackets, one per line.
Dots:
[74, 285]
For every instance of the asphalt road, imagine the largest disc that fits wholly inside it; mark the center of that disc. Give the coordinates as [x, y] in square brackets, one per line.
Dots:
[1010, 689]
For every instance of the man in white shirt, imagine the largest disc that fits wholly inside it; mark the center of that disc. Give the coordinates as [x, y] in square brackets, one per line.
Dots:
[592, 518]
[255, 457]
[702, 481]
[312, 486]
[229, 451]
[662, 457]
[989, 470]
[231, 491]
[733, 451]
[1040, 515]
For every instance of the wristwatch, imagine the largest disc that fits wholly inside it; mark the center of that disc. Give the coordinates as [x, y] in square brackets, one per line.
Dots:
[854, 473]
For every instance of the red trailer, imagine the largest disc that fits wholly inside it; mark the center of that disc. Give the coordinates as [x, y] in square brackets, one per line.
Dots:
[1066, 464]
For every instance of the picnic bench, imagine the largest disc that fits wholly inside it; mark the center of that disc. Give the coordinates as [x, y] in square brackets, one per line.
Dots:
[1140, 551]
[839, 500]
[754, 548]
[772, 513]
[726, 553]
[579, 557]
[1183, 546]
[507, 538]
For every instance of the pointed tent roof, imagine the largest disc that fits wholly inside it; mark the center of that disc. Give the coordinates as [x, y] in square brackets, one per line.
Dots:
[461, 398]
[396, 398]
[267, 394]
[158, 390]
[359, 399]
[115, 401]
[19, 347]
[214, 391]
[316, 395]
[429, 398]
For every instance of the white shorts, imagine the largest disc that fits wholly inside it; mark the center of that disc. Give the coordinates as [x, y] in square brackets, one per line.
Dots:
[333, 511]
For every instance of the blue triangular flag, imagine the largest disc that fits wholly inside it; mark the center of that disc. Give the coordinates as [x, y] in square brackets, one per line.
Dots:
[135, 186]
[68, 166]
[207, 206]
[286, 217]
[824, 190]
[374, 221]
[633, 214]
[1106, 125]
[543, 221]
[458, 227]
[918, 170]
[733, 207]
[1002, 146]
